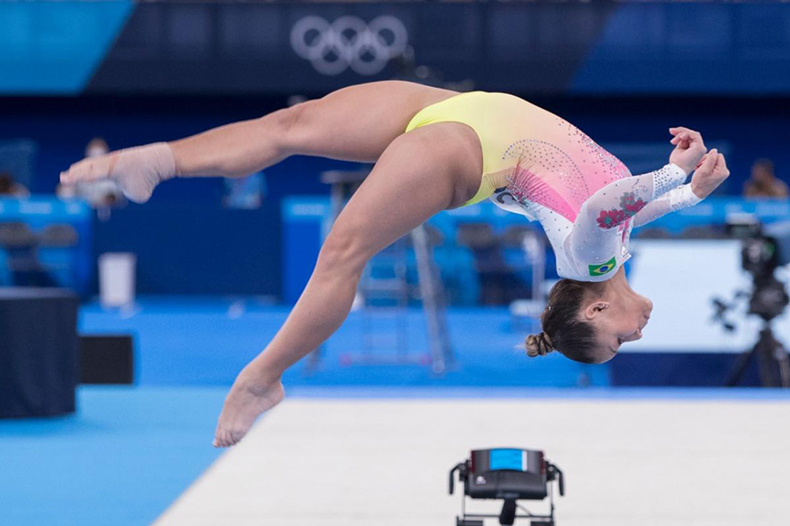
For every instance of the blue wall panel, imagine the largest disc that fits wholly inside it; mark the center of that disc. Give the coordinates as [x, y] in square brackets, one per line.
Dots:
[197, 248]
[119, 46]
[53, 47]
[690, 48]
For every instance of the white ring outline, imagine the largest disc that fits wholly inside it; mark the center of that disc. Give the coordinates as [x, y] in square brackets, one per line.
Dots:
[350, 40]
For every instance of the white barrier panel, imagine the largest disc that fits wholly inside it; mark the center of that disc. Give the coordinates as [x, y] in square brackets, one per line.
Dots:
[681, 277]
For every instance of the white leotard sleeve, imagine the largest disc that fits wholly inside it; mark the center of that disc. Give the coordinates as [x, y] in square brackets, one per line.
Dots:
[680, 197]
[597, 243]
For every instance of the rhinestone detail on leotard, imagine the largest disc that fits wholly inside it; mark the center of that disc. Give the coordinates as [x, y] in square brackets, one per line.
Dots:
[539, 160]
[663, 181]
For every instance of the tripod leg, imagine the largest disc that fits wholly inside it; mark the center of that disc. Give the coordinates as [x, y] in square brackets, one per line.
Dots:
[780, 355]
[772, 357]
[765, 362]
[740, 367]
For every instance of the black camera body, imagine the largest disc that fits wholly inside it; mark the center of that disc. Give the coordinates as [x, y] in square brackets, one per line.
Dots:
[760, 256]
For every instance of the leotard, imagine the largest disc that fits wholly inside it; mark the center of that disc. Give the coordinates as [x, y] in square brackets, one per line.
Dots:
[538, 165]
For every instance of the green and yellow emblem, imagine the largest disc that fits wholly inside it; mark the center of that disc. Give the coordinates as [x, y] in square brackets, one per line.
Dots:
[600, 270]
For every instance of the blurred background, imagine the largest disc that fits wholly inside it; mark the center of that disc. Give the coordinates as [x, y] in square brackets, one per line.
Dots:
[172, 298]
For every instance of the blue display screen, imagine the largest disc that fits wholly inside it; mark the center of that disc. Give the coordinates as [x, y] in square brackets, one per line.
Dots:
[513, 459]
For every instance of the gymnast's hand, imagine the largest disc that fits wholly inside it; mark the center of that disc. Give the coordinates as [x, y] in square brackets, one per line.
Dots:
[689, 148]
[710, 173]
[136, 170]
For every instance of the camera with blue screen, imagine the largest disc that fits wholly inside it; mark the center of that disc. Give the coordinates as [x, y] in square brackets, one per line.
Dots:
[510, 475]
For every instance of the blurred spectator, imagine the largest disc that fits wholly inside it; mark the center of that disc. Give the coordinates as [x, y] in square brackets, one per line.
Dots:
[101, 195]
[10, 188]
[763, 182]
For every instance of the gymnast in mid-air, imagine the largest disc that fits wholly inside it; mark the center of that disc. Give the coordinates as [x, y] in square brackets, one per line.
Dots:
[434, 150]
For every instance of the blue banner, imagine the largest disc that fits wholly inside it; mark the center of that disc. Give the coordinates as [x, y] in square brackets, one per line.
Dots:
[46, 242]
[224, 47]
[49, 47]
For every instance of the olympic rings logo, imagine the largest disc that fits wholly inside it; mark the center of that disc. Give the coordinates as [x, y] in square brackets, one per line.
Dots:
[349, 42]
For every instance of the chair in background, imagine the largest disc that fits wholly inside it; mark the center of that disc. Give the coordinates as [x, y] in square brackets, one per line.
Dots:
[59, 236]
[20, 244]
[490, 263]
[531, 244]
[55, 251]
[526, 303]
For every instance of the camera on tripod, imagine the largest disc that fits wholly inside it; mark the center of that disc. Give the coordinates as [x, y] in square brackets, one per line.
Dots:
[763, 251]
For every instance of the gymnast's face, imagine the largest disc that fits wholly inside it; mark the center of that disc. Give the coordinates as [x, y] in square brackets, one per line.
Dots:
[618, 319]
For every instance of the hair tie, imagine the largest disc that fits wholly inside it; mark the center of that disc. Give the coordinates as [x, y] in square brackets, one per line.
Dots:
[539, 344]
[547, 342]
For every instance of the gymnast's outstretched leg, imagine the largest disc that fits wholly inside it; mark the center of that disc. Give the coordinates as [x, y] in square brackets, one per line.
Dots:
[421, 173]
[355, 124]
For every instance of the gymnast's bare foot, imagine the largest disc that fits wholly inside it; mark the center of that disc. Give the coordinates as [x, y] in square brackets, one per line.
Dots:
[136, 170]
[247, 399]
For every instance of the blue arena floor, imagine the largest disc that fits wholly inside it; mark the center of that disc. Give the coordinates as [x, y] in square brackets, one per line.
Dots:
[121, 460]
[191, 341]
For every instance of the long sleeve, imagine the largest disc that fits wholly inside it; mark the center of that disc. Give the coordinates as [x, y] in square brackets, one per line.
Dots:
[595, 238]
[681, 197]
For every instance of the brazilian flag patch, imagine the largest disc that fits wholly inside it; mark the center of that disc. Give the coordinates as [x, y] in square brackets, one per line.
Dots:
[600, 270]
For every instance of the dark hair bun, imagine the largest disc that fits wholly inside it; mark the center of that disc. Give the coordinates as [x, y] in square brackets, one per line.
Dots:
[538, 345]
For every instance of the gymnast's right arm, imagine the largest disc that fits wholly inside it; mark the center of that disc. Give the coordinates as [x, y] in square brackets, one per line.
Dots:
[230, 151]
[711, 172]
[594, 237]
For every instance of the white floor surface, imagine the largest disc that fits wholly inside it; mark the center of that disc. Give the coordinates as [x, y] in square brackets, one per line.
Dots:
[352, 462]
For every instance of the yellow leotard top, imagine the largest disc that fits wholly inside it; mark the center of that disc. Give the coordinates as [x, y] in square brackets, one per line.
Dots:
[486, 113]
